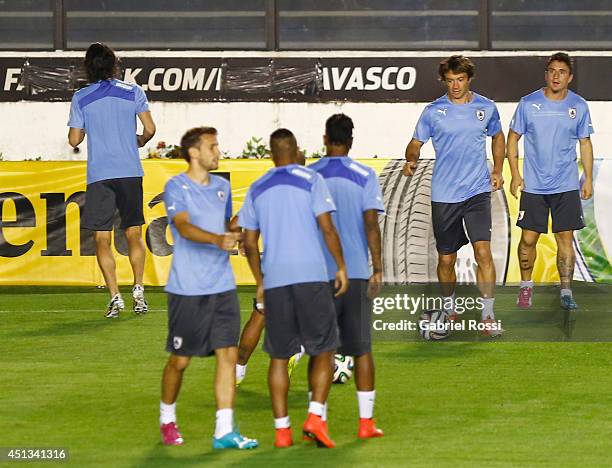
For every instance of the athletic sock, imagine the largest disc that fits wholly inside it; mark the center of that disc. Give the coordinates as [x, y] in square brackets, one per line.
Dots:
[240, 371]
[282, 423]
[487, 308]
[324, 415]
[315, 407]
[225, 422]
[167, 413]
[527, 284]
[366, 404]
[566, 292]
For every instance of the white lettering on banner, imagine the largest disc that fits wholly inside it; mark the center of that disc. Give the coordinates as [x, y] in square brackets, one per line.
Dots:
[131, 74]
[12, 77]
[376, 78]
[172, 79]
[191, 81]
[187, 79]
[151, 85]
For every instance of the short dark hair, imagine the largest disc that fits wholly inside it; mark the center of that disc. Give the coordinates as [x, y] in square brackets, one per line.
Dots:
[339, 130]
[283, 144]
[561, 57]
[101, 63]
[456, 64]
[192, 137]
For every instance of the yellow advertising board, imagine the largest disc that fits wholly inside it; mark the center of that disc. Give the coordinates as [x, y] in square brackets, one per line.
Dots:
[41, 242]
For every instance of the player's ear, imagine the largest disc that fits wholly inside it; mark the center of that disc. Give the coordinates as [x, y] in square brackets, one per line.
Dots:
[350, 144]
[193, 152]
[571, 77]
[325, 140]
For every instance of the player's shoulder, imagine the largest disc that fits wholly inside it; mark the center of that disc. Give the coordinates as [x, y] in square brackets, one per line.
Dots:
[359, 168]
[219, 181]
[85, 90]
[577, 99]
[177, 182]
[124, 85]
[483, 100]
[433, 105]
[533, 96]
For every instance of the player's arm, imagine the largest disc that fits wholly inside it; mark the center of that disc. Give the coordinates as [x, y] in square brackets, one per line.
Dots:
[225, 241]
[330, 235]
[372, 229]
[251, 247]
[498, 148]
[413, 151]
[512, 153]
[233, 226]
[75, 136]
[586, 156]
[148, 128]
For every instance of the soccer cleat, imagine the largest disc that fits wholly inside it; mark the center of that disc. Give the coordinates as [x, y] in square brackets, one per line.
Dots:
[568, 302]
[523, 301]
[283, 438]
[140, 304]
[115, 306]
[240, 374]
[316, 429]
[170, 434]
[368, 429]
[233, 440]
[491, 332]
[307, 438]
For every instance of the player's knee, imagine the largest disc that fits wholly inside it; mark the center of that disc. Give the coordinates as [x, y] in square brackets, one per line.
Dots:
[446, 262]
[483, 256]
[179, 363]
[133, 233]
[103, 240]
[529, 241]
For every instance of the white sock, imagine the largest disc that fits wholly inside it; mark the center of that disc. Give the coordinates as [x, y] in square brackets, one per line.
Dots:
[527, 284]
[448, 303]
[487, 307]
[566, 292]
[240, 371]
[315, 407]
[282, 423]
[324, 415]
[167, 413]
[366, 404]
[225, 422]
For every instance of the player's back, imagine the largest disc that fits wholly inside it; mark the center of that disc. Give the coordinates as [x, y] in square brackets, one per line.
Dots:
[284, 205]
[107, 111]
[354, 189]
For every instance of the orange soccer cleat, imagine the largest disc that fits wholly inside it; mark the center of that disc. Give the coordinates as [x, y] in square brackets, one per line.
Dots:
[368, 429]
[316, 429]
[283, 438]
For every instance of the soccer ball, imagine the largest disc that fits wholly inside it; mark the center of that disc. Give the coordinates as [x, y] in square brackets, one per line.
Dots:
[434, 325]
[343, 368]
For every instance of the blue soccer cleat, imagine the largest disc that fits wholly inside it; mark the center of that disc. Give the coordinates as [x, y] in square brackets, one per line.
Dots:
[568, 302]
[233, 440]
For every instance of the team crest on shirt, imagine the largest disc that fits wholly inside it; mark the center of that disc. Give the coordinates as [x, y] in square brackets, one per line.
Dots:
[572, 112]
[480, 114]
[521, 215]
[221, 195]
[177, 342]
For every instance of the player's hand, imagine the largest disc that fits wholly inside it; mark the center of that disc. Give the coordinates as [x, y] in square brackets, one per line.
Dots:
[228, 240]
[587, 189]
[497, 180]
[259, 295]
[516, 184]
[342, 283]
[409, 168]
[374, 284]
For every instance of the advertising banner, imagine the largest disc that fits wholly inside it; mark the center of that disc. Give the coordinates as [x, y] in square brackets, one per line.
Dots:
[41, 241]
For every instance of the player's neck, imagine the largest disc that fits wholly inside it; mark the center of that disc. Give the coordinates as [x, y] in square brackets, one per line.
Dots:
[198, 175]
[555, 95]
[465, 99]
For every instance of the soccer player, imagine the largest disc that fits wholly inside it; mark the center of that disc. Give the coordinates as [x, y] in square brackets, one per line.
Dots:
[106, 112]
[255, 325]
[287, 206]
[458, 124]
[203, 307]
[356, 192]
[553, 120]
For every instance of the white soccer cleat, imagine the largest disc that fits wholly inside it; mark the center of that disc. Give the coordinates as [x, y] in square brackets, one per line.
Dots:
[115, 307]
[140, 304]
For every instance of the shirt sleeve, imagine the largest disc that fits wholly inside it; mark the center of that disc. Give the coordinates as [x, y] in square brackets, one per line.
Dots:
[372, 195]
[174, 199]
[322, 201]
[585, 125]
[494, 126]
[518, 123]
[76, 114]
[142, 104]
[422, 131]
[247, 216]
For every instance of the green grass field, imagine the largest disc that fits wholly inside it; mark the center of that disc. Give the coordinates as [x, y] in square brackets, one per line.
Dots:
[72, 379]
